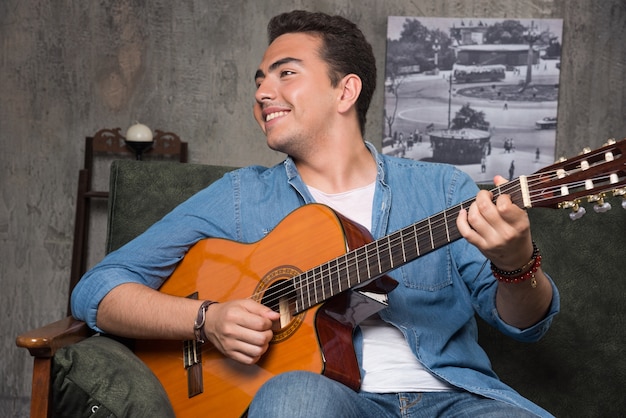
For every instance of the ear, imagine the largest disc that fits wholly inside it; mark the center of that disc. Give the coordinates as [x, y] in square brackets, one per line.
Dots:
[350, 90]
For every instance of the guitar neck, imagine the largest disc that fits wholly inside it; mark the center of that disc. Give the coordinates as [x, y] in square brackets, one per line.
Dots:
[363, 264]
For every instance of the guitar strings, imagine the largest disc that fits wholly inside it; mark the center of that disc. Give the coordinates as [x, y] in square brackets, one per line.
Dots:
[397, 246]
[341, 264]
[315, 278]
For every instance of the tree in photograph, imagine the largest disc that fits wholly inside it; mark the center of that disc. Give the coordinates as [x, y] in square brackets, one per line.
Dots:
[468, 118]
[392, 86]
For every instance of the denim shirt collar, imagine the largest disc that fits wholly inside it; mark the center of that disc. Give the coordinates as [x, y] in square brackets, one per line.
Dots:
[382, 196]
[292, 171]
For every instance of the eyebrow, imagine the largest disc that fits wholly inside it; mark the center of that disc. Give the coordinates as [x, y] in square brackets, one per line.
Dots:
[260, 74]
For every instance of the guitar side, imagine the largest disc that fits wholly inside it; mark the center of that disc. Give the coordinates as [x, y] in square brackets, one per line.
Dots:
[317, 340]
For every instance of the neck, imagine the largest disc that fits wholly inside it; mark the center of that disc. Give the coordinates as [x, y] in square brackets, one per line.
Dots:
[340, 167]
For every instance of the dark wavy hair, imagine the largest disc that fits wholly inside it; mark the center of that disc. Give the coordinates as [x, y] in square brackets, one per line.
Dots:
[344, 48]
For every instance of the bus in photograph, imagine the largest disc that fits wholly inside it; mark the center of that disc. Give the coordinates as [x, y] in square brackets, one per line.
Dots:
[478, 73]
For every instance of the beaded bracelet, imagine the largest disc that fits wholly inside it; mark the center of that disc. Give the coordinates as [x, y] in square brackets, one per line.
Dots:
[517, 272]
[198, 325]
[530, 274]
[516, 276]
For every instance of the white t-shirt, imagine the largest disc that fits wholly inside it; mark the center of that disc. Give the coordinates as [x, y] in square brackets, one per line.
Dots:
[389, 363]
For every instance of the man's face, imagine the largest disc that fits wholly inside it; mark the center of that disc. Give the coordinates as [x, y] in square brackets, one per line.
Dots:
[294, 101]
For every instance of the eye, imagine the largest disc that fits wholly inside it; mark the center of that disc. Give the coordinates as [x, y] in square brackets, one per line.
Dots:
[286, 73]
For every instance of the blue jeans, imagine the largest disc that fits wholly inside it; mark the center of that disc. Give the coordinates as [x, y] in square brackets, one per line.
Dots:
[304, 394]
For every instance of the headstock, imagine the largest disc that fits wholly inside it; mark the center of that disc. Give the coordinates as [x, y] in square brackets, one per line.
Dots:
[593, 176]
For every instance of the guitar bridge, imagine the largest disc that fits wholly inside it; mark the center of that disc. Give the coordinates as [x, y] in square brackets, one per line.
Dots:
[192, 360]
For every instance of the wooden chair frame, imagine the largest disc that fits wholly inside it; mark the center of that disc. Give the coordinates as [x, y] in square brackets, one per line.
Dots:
[110, 142]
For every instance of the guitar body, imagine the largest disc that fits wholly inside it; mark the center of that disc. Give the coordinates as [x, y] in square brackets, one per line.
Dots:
[318, 339]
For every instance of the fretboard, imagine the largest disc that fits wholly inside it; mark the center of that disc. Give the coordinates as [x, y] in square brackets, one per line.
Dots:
[361, 265]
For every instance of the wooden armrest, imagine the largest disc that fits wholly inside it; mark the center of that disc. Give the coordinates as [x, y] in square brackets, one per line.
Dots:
[45, 341]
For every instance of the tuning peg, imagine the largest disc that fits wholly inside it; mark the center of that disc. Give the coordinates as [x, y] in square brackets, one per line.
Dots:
[602, 206]
[577, 212]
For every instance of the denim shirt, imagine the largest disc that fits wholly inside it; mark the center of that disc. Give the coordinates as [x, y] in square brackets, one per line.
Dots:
[433, 305]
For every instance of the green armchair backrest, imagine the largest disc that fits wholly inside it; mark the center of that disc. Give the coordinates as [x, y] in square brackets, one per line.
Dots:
[142, 192]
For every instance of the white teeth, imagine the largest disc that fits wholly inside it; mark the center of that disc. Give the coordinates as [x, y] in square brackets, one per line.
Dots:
[274, 115]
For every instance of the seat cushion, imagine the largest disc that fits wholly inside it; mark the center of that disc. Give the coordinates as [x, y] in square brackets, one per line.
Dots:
[101, 377]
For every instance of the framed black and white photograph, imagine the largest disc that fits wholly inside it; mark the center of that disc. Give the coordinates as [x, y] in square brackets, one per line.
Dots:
[480, 94]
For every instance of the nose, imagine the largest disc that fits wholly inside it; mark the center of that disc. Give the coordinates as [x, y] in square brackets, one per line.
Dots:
[265, 91]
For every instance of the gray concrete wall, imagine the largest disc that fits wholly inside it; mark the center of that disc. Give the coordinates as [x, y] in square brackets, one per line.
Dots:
[70, 68]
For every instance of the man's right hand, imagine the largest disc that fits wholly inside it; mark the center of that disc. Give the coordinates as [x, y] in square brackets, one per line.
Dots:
[240, 329]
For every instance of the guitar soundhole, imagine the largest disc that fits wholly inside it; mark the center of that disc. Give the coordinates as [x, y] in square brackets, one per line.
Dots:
[279, 294]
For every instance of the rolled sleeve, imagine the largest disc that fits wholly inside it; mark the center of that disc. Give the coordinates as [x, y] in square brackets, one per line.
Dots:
[87, 294]
[537, 331]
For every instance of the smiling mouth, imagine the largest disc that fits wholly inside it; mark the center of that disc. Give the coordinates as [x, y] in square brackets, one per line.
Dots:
[274, 115]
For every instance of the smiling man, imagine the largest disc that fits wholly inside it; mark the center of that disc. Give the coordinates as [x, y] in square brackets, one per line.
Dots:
[419, 355]
[303, 106]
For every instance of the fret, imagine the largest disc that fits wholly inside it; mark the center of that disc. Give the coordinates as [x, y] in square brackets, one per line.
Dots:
[455, 231]
[390, 252]
[352, 267]
[396, 252]
[367, 261]
[341, 273]
[336, 275]
[333, 275]
[371, 262]
[334, 284]
[314, 284]
[347, 266]
[417, 244]
[423, 240]
[378, 256]
[298, 286]
[323, 288]
[432, 225]
[445, 218]
[430, 231]
[347, 269]
[441, 224]
[403, 248]
[409, 242]
[317, 272]
[357, 268]
[322, 275]
[386, 263]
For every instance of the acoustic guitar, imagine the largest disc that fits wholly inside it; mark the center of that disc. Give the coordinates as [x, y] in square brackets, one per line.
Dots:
[325, 274]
